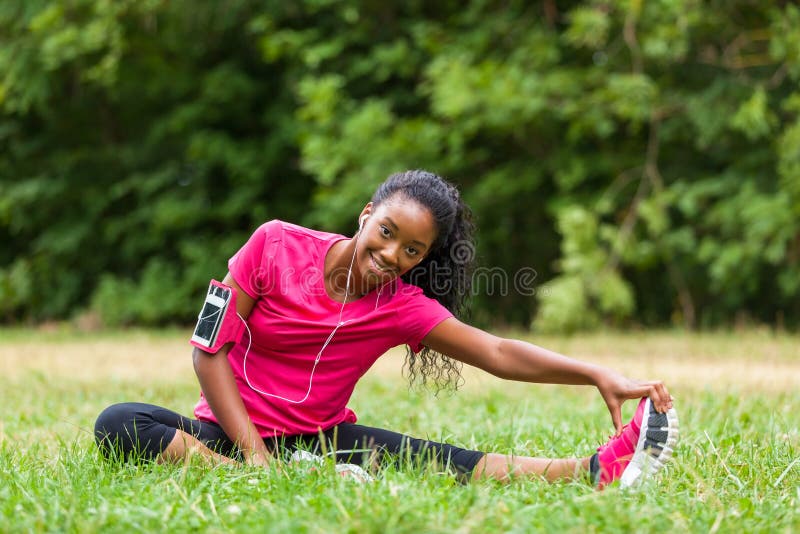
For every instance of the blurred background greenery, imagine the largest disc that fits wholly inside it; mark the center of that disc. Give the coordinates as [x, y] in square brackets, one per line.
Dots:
[643, 157]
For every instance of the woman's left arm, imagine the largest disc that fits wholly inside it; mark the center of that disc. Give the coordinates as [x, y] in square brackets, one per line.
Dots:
[518, 360]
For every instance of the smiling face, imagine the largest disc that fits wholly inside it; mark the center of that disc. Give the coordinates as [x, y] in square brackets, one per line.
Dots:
[396, 235]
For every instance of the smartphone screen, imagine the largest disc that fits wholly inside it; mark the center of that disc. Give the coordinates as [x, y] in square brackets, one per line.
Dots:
[211, 316]
[221, 292]
[208, 323]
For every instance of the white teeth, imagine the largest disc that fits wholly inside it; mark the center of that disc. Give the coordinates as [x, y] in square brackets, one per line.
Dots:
[379, 266]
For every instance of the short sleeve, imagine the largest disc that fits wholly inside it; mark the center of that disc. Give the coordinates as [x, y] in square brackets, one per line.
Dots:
[418, 316]
[250, 266]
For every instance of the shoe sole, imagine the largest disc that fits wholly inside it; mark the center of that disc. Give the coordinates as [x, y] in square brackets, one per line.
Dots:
[657, 441]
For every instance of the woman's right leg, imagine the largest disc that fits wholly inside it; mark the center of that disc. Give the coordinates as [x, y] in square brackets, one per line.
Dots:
[144, 431]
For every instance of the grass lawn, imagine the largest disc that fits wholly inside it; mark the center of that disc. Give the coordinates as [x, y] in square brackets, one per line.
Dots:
[737, 467]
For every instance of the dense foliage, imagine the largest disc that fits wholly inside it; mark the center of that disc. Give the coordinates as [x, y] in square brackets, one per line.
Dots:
[627, 161]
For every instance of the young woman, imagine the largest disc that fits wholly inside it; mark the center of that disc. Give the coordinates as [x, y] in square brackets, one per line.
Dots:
[320, 309]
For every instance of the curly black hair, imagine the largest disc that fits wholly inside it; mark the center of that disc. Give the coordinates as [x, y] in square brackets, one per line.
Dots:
[446, 272]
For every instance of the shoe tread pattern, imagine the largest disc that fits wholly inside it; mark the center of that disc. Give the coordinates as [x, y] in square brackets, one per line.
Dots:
[655, 437]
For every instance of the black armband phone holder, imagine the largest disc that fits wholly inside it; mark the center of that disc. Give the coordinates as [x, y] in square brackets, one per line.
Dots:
[218, 322]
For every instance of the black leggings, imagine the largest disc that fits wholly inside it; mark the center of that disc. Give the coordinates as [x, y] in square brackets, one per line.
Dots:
[136, 430]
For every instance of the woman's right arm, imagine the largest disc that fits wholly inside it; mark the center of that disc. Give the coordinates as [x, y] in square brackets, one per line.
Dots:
[219, 388]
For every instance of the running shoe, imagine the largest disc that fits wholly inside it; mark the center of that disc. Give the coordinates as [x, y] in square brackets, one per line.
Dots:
[348, 471]
[641, 449]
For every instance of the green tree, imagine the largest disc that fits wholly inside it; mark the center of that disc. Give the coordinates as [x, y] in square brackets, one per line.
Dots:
[659, 119]
[642, 157]
[141, 143]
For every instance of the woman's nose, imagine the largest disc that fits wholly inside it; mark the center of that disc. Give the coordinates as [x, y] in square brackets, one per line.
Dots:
[390, 255]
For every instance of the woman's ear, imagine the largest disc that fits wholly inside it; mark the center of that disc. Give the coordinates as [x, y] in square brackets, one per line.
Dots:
[365, 213]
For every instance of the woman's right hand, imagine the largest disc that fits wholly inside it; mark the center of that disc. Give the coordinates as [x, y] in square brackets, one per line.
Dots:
[258, 458]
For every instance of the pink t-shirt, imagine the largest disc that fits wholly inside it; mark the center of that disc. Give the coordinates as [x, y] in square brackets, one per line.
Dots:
[281, 266]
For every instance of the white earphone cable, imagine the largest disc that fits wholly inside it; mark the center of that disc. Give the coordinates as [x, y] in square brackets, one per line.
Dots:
[339, 324]
[209, 316]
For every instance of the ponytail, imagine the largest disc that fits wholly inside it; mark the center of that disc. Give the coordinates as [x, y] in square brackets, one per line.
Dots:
[445, 274]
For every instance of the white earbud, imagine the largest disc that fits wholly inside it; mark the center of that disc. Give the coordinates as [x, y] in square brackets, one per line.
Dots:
[361, 222]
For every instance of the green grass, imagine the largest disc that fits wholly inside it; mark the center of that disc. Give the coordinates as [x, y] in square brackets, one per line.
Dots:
[737, 467]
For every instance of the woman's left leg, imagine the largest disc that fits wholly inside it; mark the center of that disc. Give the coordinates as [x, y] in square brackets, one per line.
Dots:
[504, 467]
[642, 448]
[365, 445]
[368, 446]
[645, 444]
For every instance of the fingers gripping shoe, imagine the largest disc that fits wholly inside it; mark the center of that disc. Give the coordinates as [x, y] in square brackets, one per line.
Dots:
[641, 449]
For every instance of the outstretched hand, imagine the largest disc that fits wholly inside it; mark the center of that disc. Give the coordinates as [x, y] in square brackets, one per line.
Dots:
[616, 389]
